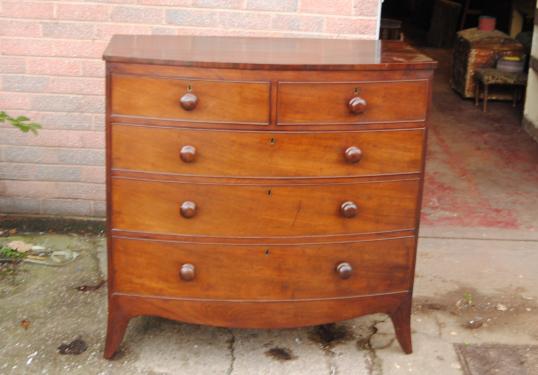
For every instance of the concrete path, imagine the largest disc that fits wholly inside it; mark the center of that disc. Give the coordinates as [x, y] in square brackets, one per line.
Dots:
[485, 275]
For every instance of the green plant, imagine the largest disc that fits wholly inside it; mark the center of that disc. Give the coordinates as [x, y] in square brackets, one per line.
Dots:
[9, 253]
[468, 298]
[23, 123]
[9, 260]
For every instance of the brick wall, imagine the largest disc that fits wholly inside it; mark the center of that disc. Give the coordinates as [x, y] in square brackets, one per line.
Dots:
[51, 70]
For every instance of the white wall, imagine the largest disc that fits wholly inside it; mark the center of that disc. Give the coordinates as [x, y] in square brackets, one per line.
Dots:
[530, 119]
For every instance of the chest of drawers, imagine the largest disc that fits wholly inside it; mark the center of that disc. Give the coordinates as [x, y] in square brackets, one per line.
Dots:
[263, 183]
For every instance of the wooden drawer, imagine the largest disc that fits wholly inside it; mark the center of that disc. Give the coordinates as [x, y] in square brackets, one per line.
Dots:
[263, 210]
[257, 272]
[328, 102]
[217, 101]
[265, 154]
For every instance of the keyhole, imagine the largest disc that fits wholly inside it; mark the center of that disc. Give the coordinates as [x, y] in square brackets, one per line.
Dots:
[356, 91]
[272, 141]
[266, 252]
[189, 88]
[269, 192]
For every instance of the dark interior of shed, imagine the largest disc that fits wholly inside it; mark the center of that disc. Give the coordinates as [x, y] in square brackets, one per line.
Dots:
[481, 166]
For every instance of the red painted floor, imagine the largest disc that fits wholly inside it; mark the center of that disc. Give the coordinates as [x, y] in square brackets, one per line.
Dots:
[482, 168]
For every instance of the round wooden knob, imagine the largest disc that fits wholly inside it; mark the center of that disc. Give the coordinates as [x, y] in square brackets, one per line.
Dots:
[188, 101]
[353, 154]
[344, 270]
[349, 209]
[188, 209]
[187, 153]
[187, 272]
[357, 105]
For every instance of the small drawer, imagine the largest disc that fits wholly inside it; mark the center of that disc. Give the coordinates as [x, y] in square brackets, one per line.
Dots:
[248, 210]
[257, 272]
[190, 100]
[266, 154]
[352, 102]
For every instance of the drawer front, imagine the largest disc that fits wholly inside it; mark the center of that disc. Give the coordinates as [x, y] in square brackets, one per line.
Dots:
[263, 210]
[266, 154]
[262, 272]
[333, 102]
[215, 101]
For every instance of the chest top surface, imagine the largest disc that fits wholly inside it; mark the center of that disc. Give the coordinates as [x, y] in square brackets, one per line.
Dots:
[265, 53]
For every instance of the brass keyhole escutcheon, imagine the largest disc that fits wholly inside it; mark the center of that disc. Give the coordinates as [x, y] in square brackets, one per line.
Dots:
[356, 91]
[189, 88]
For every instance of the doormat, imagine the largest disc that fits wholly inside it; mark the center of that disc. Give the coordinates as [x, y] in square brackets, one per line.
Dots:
[491, 359]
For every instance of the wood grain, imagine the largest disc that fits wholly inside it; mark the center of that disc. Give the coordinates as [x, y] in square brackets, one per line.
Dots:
[277, 314]
[262, 210]
[266, 154]
[327, 102]
[245, 190]
[265, 53]
[217, 101]
[259, 272]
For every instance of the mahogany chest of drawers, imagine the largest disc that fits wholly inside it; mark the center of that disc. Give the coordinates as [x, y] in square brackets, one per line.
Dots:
[263, 183]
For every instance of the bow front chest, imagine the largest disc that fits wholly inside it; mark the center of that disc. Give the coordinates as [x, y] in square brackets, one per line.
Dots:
[263, 183]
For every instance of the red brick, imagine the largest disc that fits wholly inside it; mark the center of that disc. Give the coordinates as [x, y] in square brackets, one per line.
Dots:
[99, 122]
[218, 4]
[70, 207]
[37, 189]
[244, 20]
[26, 9]
[20, 28]
[68, 30]
[84, 12]
[272, 5]
[93, 68]
[163, 30]
[63, 121]
[342, 7]
[14, 101]
[105, 31]
[180, 3]
[53, 47]
[54, 138]
[190, 17]
[137, 15]
[25, 47]
[352, 26]
[68, 103]
[25, 83]
[297, 23]
[54, 66]
[99, 208]
[79, 48]
[94, 175]
[366, 8]
[10, 64]
[88, 86]
[20, 205]
[86, 191]
[53, 155]
[54, 190]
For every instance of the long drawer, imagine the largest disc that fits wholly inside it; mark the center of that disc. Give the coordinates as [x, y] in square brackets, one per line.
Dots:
[352, 102]
[256, 272]
[266, 154]
[203, 100]
[208, 209]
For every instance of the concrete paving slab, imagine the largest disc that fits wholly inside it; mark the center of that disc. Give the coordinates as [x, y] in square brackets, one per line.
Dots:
[450, 273]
